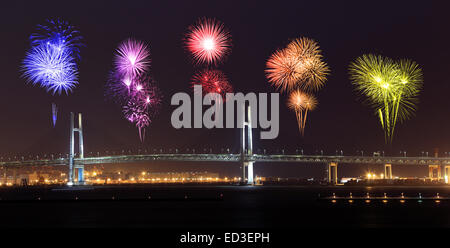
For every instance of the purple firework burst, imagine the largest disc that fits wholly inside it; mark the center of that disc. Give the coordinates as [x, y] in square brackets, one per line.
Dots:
[130, 85]
[132, 59]
[142, 105]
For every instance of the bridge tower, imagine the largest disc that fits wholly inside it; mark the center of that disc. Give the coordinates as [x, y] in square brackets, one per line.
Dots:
[76, 169]
[332, 173]
[249, 151]
[388, 171]
[431, 169]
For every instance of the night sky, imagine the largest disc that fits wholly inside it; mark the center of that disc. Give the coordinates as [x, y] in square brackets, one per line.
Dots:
[344, 31]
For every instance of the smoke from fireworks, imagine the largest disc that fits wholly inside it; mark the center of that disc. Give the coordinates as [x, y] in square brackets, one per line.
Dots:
[299, 65]
[208, 41]
[51, 61]
[212, 81]
[301, 103]
[391, 88]
[130, 85]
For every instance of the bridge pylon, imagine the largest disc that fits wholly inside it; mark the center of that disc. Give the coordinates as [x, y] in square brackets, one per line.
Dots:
[249, 151]
[332, 173]
[431, 169]
[388, 171]
[76, 169]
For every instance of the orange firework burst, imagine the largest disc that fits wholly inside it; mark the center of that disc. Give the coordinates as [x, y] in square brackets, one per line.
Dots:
[301, 103]
[282, 70]
[299, 65]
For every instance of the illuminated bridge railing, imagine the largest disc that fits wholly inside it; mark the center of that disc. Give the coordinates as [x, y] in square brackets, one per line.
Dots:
[352, 159]
[319, 159]
[160, 157]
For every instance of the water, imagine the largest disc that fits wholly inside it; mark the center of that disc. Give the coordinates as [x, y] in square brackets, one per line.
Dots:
[218, 207]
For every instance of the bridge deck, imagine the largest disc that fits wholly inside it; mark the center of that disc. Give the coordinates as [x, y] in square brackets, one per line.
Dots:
[234, 158]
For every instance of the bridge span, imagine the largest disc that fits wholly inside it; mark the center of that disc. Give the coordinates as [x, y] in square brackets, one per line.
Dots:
[437, 165]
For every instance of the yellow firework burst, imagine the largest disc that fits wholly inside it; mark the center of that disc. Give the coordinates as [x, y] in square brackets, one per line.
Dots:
[391, 88]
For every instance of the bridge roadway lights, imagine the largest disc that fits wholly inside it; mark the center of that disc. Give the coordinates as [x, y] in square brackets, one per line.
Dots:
[431, 169]
[332, 173]
[388, 171]
[75, 169]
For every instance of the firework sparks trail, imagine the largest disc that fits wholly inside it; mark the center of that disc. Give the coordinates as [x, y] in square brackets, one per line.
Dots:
[391, 88]
[301, 103]
[142, 106]
[208, 41]
[54, 114]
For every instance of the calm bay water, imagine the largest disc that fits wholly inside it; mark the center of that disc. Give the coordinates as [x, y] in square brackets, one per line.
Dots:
[182, 206]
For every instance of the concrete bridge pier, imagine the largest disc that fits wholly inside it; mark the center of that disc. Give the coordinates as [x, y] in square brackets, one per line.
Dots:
[431, 172]
[250, 179]
[332, 173]
[446, 173]
[14, 176]
[388, 171]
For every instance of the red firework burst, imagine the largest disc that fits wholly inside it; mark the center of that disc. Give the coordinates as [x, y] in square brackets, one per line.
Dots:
[212, 81]
[208, 41]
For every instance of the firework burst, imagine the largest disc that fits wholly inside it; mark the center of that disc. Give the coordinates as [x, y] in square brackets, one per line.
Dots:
[59, 34]
[212, 81]
[299, 65]
[132, 59]
[51, 61]
[390, 87]
[282, 71]
[208, 41]
[142, 105]
[130, 85]
[50, 67]
[301, 103]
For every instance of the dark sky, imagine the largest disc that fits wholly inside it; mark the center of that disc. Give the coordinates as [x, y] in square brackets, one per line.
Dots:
[344, 30]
